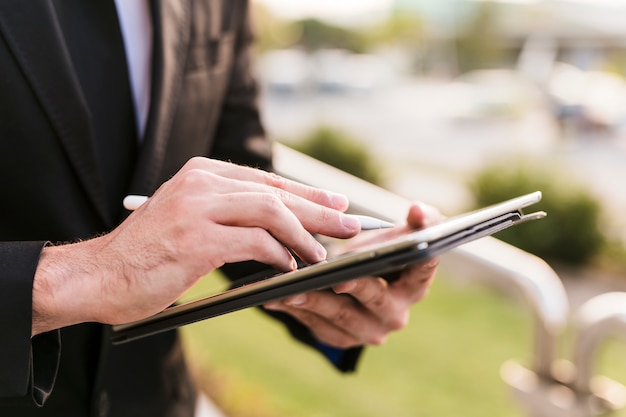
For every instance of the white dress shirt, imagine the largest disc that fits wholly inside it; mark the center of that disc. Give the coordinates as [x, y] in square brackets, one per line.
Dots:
[136, 25]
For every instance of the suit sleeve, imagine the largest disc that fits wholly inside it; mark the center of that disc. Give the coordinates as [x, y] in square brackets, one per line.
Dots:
[28, 365]
[240, 138]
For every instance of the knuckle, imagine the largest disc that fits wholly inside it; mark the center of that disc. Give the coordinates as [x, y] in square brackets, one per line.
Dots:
[376, 339]
[316, 324]
[285, 197]
[275, 180]
[375, 300]
[342, 317]
[192, 178]
[325, 214]
[421, 294]
[261, 241]
[373, 294]
[344, 342]
[195, 162]
[271, 204]
[398, 321]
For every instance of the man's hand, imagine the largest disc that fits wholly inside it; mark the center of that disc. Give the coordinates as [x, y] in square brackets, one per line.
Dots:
[210, 213]
[366, 310]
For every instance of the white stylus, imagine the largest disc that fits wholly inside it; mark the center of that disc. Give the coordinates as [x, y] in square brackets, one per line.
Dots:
[132, 202]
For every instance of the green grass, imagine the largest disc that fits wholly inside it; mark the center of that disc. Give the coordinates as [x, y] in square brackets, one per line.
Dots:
[445, 363]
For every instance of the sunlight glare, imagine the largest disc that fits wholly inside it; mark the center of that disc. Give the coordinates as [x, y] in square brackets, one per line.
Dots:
[330, 9]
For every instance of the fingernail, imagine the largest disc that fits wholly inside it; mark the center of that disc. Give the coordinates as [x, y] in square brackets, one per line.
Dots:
[430, 263]
[297, 300]
[321, 251]
[350, 222]
[294, 265]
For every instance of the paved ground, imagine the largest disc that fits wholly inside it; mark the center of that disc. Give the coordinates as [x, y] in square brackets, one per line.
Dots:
[583, 284]
[430, 152]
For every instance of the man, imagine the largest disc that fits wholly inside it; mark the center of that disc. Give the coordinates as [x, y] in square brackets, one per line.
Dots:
[76, 136]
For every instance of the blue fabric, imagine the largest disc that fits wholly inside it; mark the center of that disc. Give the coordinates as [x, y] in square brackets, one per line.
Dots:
[333, 354]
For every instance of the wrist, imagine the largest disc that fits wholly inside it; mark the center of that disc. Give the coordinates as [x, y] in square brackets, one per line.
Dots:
[63, 286]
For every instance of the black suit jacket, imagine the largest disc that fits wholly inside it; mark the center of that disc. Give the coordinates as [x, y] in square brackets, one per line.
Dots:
[203, 103]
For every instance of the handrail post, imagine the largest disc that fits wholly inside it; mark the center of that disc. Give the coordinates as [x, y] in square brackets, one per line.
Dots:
[551, 387]
[522, 275]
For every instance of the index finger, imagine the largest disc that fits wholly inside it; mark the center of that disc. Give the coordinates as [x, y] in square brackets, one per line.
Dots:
[229, 170]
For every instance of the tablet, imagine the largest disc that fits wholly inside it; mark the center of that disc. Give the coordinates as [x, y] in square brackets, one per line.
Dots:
[378, 259]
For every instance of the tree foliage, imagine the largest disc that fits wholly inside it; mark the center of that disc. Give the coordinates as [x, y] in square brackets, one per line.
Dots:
[572, 232]
[341, 151]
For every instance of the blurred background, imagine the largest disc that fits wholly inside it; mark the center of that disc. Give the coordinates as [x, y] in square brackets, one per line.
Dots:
[459, 104]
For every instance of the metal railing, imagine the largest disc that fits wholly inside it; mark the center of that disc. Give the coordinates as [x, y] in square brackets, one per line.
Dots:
[552, 386]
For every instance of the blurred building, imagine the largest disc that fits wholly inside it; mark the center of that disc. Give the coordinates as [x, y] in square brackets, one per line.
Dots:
[579, 32]
[575, 50]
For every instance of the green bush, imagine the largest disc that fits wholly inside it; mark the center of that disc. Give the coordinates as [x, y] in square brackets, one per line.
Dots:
[572, 231]
[341, 151]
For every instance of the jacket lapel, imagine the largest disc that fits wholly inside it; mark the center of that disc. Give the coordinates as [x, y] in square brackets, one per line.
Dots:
[32, 32]
[171, 25]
